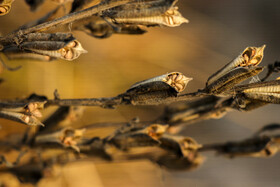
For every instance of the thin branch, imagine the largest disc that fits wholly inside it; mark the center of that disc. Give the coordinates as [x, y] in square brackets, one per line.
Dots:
[64, 20]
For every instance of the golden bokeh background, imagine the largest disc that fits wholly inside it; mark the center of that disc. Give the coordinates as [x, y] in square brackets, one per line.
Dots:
[218, 31]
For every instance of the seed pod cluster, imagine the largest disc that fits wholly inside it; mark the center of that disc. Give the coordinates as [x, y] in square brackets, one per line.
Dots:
[154, 90]
[251, 56]
[262, 91]
[58, 45]
[5, 6]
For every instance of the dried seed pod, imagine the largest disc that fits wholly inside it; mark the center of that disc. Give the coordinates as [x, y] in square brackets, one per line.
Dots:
[69, 51]
[181, 146]
[67, 137]
[148, 136]
[141, 8]
[59, 37]
[246, 104]
[271, 130]
[230, 79]
[189, 110]
[156, 89]
[262, 91]
[170, 18]
[21, 118]
[5, 7]
[255, 147]
[251, 56]
[25, 55]
[37, 46]
[173, 162]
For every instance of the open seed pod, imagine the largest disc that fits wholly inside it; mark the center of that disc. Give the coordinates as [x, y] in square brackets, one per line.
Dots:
[144, 8]
[251, 56]
[262, 91]
[64, 50]
[230, 79]
[170, 18]
[5, 7]
[156, 89]
[23, 113]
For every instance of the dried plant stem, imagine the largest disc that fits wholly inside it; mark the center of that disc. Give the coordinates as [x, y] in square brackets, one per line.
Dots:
[65, 19]
[119, 100]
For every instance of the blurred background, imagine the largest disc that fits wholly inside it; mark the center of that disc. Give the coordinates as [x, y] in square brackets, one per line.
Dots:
[217, 32]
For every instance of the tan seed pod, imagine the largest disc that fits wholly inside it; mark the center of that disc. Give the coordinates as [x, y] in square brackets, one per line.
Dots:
[262, 91]
[251, 56]
[233, 77]
[70, 52]
[171, 18]
[172, 79]
[156, 89]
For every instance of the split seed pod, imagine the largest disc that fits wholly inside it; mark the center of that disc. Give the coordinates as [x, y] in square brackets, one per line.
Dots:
[170, 18]
[140, 9]
[5, 6]
[66, 51]
[262, 91]
[154, 90]
[21, 118]
[251, 56]
[231, 78]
